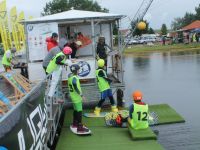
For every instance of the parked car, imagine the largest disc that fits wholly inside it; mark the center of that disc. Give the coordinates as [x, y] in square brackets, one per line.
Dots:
[145, 40]
[132, 41]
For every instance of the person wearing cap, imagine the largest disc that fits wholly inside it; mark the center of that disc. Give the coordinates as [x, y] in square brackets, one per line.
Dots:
[75, 45]
[59, 59]
[53, 52]
[7, 59]
[138, 112]
[104, 88]
[76, 96]
[52, 41]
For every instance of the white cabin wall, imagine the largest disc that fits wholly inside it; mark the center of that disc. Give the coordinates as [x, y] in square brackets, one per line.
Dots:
[36, 38]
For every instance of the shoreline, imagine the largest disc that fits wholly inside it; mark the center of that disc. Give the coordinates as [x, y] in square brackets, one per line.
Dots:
[166, 48]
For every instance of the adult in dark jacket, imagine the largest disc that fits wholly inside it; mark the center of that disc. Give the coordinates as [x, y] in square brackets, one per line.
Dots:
[75, 45]
[102, 49]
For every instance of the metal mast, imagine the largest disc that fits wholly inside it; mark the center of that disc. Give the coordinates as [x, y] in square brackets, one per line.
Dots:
[138, 17]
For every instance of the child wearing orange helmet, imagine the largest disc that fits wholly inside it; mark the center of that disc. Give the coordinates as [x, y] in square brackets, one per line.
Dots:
[138, 112]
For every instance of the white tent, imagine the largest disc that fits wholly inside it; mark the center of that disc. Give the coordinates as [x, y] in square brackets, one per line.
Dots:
[75, 15]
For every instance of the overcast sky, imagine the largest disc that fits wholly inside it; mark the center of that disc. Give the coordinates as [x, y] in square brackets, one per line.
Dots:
[161, 11]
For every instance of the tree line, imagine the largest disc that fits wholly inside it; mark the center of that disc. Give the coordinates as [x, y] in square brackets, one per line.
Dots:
[188, 18]
[57, 6]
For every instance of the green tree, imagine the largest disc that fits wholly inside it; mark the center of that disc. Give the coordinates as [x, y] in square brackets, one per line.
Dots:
[163, 29]
[115, 29]
[151, 31]
[177, 23]
[188, 18]
[197, 15]
[57, 6]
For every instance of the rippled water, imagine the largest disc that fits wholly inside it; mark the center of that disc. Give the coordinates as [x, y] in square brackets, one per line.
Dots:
[172, 78]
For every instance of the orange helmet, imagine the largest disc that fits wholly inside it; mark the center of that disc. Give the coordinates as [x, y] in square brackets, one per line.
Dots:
[137, 95]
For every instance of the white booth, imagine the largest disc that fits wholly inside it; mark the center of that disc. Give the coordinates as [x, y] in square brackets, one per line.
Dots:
[90, 25]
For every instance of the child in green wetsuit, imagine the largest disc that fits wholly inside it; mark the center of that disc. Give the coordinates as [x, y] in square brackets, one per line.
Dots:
[138, 112]
[76, 97]
[104, 88]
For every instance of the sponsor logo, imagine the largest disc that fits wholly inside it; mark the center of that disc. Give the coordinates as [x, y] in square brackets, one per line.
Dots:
[37, 123]
[30, 27]
[84, 69]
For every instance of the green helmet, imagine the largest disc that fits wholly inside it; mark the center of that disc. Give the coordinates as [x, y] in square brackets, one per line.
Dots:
[101, 63]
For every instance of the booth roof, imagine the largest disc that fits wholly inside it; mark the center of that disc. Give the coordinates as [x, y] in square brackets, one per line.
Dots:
[192, 26]
[73, 15]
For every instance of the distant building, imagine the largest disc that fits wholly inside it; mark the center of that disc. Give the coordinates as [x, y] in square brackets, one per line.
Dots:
[191, 27]
[125, 32]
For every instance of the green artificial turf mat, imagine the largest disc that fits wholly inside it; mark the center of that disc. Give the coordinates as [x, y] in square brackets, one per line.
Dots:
[103, 138]
[109, 138]
[166, 114]
[144, 134]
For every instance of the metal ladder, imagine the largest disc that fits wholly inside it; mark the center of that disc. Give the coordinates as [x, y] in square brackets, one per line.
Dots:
[54, 99]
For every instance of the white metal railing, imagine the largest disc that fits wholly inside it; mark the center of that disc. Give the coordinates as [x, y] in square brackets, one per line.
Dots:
[54, 99]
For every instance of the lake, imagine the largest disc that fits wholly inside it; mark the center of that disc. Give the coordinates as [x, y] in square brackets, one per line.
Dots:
[172, 78]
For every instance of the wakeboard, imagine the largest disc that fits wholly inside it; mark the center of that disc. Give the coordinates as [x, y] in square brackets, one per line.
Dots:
[93, 115]
[74, 130]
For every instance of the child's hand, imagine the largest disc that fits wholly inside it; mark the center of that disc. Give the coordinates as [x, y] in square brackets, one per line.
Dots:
[84, 99]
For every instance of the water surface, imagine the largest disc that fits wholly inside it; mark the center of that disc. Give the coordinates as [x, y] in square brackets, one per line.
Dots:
[172, 78]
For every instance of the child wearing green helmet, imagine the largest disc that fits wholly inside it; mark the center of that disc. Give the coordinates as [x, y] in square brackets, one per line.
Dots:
[104, 88]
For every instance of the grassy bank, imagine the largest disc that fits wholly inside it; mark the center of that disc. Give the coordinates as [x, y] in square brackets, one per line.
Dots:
[160, 48]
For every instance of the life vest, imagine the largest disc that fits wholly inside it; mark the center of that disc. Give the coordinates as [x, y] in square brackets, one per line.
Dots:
[5, 60]
[52, 65]
[75, 97]
[140, 117]
[102, 83]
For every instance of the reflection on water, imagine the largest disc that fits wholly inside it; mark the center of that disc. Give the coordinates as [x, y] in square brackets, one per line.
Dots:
[172, 78]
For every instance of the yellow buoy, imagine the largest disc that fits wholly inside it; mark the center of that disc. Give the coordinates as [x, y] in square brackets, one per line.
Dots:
[141, 25]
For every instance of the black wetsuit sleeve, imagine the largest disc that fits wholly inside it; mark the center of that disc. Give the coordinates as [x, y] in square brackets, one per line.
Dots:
[101, 74]
[131, 109]
[59, 60]
[75, 86]
[98, 50]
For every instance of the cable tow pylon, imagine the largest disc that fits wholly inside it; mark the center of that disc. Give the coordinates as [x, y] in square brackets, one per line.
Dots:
[141, 12]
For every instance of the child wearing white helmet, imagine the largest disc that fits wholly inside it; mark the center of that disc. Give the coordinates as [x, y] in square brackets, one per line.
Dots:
[7, 59]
